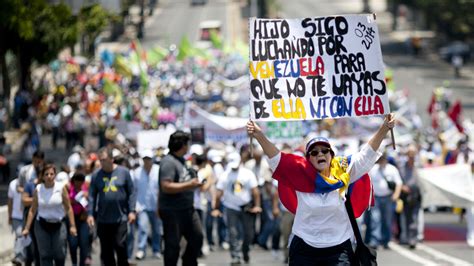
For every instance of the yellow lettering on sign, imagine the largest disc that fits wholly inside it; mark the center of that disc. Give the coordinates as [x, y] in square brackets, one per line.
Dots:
[262, 70]
[296, 110]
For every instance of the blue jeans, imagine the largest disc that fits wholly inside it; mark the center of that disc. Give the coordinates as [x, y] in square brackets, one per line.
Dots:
[268, 222]
[17, 227]
[381, 221]
[147, 220]
[81, 241]
[241, 226]
[221, 226]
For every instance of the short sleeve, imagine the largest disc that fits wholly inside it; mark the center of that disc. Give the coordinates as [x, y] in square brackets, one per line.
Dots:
[11, 189]
[167, 171]
[274, 161]
[220, 185]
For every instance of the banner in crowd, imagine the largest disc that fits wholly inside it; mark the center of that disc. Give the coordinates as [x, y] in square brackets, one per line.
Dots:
[284, 131]
[316, 68]
[450, 185]
[129, 129]
[154, 139]
[216, 128]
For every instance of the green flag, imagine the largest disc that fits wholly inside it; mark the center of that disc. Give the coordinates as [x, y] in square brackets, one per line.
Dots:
[121, 66]
[155, 55]
[216, 40]
[185, 49]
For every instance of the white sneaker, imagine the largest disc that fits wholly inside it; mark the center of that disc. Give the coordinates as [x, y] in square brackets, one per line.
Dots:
[276, 254]
[140, 255]
[225, 245]
[157, 255]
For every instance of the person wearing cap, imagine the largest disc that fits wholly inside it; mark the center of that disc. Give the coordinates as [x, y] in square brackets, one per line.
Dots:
[145, 179]
[241, 198]
[313, 187]
[175, 203]
[215, 161]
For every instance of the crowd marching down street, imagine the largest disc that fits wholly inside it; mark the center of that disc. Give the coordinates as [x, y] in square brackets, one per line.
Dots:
[159, 148]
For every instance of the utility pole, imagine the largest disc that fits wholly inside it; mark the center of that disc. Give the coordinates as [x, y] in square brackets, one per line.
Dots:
[141, 24]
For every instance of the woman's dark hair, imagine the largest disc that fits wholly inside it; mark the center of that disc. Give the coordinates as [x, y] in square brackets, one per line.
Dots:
[200, 159]
[38, 154]
[78, 177]
[177, 140]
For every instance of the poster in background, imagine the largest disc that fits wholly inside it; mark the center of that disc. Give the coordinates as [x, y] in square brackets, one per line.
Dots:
[198, 135]
[316, 68]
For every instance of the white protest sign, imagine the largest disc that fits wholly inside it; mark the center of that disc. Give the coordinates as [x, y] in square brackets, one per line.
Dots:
[316, 68]
[154, 139]
[450, 185]
[216, 127]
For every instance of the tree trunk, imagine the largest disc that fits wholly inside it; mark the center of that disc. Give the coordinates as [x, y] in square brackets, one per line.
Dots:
[5, 77]
[6, 84]
[24, 68]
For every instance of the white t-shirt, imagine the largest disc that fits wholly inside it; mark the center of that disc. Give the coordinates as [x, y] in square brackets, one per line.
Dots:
[237, 187]
[17, 212]
[50, 202]
[380, 185]
[321, 219]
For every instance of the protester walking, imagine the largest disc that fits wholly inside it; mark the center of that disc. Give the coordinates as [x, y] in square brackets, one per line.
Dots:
[28, 178]
[51, 203]
[411, 197]
[215, 161]
[241, 198]
[387, 187]
[316, 184]
[145, 179]
[112, 202]
[78, 195]
[177, 185]
[15, 219]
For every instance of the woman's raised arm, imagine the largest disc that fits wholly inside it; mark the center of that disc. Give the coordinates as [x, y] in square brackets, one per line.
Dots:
[268, 147]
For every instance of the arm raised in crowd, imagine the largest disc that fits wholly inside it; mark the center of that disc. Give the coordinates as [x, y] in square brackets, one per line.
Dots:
[268, 147]
[377, 138]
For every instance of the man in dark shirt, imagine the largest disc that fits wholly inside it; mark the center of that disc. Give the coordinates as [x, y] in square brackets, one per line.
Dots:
[177, 184]
[112, 202]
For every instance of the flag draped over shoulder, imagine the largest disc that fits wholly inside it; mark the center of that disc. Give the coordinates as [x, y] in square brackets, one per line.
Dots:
[295, 173]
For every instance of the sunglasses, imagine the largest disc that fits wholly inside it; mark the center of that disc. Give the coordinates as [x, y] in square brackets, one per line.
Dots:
[315, 152]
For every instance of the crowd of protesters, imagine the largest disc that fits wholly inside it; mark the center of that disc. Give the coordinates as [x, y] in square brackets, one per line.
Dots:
[125, 196]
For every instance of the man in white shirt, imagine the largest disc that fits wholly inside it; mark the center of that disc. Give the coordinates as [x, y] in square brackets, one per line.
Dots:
[238, 187]
[145, 179]
[387, 185]
[15, 218]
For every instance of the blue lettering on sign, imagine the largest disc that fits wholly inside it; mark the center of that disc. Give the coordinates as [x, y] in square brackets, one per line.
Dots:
[320, 110]
[286, 68]
[339, 107]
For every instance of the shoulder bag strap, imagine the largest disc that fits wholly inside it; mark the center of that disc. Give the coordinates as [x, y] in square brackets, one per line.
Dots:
[354, 225]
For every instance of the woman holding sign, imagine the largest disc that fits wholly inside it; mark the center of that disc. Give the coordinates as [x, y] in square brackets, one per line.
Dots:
[314, 189]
